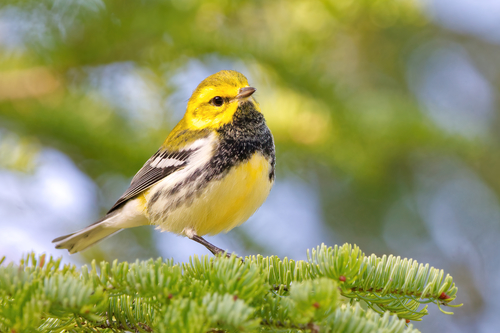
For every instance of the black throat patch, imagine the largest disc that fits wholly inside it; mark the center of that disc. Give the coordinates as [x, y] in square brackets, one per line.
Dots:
[246, 135]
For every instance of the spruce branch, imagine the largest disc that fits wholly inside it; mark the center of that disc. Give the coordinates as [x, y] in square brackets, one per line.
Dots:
[387, 283]
[215, 294]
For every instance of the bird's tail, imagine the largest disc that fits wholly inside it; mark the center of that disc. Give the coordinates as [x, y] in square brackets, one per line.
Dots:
[124, 217]
[86, 237]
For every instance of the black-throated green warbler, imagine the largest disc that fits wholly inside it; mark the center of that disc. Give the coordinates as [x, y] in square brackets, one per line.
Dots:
[210, 175]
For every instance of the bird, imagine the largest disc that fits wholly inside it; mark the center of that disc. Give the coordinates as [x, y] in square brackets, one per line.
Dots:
[213, 171]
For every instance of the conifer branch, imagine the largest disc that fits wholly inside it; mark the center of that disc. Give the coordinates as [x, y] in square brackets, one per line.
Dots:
[210, 294]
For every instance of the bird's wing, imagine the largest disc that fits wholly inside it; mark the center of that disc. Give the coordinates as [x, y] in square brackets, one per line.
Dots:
[162, 164]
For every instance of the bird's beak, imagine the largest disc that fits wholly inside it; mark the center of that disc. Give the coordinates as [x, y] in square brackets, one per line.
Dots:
[244, 93]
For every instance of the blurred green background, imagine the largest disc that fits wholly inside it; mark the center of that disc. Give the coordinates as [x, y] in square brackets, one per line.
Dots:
[384, 112]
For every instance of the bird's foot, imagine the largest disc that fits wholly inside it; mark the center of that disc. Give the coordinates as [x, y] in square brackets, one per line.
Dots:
[212, 248]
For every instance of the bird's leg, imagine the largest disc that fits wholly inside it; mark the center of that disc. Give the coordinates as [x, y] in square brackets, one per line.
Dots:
[212, 248]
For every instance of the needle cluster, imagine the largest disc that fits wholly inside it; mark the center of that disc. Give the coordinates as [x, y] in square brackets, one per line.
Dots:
[338, 289]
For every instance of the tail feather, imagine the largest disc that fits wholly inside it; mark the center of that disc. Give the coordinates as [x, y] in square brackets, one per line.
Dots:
[128, 216]
[84, 238]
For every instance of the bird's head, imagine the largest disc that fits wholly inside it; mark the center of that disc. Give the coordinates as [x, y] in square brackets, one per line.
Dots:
[217, 98]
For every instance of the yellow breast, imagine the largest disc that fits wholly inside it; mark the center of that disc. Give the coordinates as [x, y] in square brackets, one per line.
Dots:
[226, 203]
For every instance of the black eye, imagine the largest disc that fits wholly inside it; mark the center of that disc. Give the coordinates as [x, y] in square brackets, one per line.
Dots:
[217, 101]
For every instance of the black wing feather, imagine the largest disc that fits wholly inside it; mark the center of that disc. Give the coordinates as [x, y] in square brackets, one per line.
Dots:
[149, 175]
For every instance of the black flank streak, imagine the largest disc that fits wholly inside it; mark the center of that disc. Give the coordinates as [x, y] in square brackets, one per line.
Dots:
[155, 197]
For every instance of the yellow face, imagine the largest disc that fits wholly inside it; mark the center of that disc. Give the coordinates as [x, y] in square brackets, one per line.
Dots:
[216, 99]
